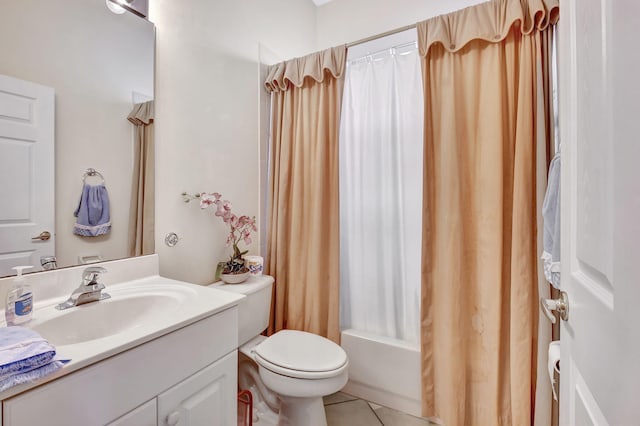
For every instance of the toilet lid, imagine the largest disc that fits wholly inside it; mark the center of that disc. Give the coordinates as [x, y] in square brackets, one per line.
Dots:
[300, 351]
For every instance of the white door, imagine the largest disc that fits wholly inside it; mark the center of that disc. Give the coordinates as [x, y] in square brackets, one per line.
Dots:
[599, 64]
[26, 173]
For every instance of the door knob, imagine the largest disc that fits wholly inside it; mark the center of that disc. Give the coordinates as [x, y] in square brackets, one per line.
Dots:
[560, 305]
[44, 236]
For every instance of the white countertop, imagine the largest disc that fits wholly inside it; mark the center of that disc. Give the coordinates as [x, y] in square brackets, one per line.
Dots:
[202, 302]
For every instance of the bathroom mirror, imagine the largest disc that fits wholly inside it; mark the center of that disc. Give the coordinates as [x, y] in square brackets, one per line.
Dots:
[98, 64]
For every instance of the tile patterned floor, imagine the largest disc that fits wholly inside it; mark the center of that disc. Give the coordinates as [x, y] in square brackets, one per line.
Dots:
[346, 410]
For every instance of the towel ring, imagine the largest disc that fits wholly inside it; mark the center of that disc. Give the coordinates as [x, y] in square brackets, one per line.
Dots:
[92, 172]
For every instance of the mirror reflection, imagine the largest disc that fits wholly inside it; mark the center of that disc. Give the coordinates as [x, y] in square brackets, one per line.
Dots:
[70, 74]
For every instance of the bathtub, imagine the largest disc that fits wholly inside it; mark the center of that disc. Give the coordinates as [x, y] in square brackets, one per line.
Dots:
[383, 370]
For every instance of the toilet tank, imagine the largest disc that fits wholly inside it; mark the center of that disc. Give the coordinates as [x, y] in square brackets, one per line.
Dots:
[253, 310]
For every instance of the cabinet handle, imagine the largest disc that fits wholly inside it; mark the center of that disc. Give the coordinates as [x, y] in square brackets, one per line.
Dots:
[173, 418]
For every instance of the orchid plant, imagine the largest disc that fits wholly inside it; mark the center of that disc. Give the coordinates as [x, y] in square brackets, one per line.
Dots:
[240, 227]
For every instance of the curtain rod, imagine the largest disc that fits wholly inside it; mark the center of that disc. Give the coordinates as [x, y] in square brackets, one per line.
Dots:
[377, 52]
[384, 34]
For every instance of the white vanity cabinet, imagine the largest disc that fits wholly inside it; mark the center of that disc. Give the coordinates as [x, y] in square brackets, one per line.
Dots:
[186, 377]
[204, 398]
[144, 415]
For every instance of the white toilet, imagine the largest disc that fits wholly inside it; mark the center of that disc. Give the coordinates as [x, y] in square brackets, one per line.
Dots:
[289, 372]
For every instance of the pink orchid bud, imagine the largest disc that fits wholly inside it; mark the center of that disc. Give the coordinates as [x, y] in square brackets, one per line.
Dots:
[205, 200]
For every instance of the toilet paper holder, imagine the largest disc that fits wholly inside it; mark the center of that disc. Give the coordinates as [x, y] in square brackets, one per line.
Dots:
[560, 305]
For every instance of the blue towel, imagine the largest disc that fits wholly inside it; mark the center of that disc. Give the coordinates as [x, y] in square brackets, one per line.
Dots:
[22, 349]
[24, 356]
[93, 212]
[32, 375]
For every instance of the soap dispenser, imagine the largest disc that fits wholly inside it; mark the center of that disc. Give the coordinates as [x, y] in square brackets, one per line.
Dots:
[19, 306]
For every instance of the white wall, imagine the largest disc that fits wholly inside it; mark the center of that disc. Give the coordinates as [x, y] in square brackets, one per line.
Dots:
[345, 21]
[94, 60]
[207, 111]
[208, 103]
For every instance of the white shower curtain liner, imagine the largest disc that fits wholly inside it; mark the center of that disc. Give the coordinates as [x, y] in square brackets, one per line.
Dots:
[381, 195]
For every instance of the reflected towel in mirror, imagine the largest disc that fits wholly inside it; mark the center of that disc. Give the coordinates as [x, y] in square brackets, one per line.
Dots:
[93, 217]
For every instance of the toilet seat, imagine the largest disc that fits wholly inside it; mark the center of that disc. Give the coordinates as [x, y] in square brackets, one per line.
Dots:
[302, 355]
[299, 374]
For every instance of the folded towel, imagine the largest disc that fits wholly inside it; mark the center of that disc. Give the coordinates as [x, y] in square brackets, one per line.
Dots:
[32, 375]
[93, 212]
[22, 350]
[25, 356]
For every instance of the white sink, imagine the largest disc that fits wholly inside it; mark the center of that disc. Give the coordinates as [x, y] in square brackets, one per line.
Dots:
[137, 312]
[127, 309]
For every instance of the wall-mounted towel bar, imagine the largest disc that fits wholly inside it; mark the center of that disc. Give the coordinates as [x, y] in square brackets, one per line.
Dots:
[92, 172]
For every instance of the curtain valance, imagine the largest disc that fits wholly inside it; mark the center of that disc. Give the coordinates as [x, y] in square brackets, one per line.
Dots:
[489, 21]
[293, 72]
[142, 113]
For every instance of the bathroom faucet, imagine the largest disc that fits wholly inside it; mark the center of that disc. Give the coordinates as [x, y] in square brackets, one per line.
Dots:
[89, 291]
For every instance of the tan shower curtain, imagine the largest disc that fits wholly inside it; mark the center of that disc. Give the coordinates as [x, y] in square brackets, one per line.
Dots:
[479, 277]
[142, 211]
[303, 242]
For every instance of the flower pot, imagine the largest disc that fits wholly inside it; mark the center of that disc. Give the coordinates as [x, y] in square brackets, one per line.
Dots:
[235, 278]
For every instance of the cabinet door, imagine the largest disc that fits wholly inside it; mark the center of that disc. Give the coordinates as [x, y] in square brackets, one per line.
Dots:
[144, 415]
[208, 398]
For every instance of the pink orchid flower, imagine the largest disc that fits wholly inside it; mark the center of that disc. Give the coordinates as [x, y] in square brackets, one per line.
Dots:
[206, 200]
[240, 227]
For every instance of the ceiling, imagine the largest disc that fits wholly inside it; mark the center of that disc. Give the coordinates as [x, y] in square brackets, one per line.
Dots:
[320, 2]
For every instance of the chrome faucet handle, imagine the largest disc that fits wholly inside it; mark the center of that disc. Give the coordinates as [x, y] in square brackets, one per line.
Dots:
[89, 291]
[91, 274]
